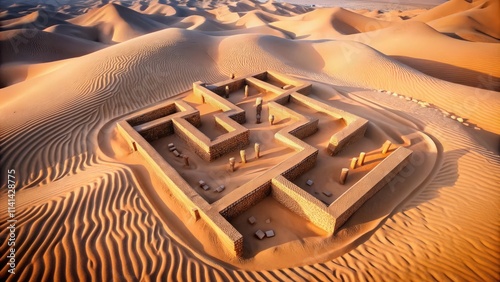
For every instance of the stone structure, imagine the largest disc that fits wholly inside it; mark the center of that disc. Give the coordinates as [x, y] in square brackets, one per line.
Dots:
[177, 117]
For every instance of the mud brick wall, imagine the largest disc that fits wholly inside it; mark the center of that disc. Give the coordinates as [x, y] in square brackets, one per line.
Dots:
[308, 161]
[370, 184]
[350, 134]
[301, 203]
[239, 117]
[158, 131]
[238, 141]
[155, 114]
[176, 187]
[193, 138]
[306, 130]
[247, 201]
[233, 85]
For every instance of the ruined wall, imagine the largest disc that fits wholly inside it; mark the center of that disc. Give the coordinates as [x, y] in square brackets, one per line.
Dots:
[158, 131]
[370, 184]
[304, 161]
[181, 191]
[348, 135]
[247, 201]
[233, 142]
[300, 202]
[306, 130]
[154, 114]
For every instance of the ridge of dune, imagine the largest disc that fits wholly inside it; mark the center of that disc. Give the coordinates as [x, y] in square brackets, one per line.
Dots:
[117, 23]
[36, 19]
[479, 23]
[31, 45]
[421, 47]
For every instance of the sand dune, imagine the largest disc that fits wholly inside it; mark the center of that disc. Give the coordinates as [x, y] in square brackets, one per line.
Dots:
[88, 209]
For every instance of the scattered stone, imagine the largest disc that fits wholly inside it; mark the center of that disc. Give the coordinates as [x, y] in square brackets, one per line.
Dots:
[220, 188]
[171, 145]
[453, 117]
[260, 234]
[270, 233]
[395, 94]
[408, 98]
[288, 86]
[309, 182]
[205, 187]
[466, 123]
[401, 96]
[171, 149]
[201, 183]
[460, 119]
[328, 194]
[477, 128]
[268, 220]
[176, 153]
[252, 220]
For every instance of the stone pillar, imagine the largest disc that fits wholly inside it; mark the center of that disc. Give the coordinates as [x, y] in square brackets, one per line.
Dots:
[246, 91]
[232, 76]
[232, 161]
[257, 117]
[257, 150]
[386, 147]
[227, 91]
[271, 119]
[343, 175]
[196, 213]
[243, 156]
[361, 159]
[353, 163]
[258, 101]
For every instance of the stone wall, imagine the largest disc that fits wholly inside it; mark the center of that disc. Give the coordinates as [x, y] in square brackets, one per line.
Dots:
[306, 129]
[235, 140]
[301, 203]
[247, 201]
[370, 184]
[181, 191]
[154, 114]
[304, 161]
[348, 135]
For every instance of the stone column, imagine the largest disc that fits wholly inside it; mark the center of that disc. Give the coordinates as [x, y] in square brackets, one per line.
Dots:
[257, 150]
[227, 91]
[386, 147]
[232, 161]
[361, 159]
[343, 175]
[243, 156]
[232, 76]
[246, 91]
[271, 119]
[353, 163]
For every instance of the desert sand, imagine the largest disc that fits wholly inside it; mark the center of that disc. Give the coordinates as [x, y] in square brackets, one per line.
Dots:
[426, 75]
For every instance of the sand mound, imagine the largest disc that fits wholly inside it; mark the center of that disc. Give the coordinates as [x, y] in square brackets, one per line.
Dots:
[472, 21]
[88, 209]
[117, 23]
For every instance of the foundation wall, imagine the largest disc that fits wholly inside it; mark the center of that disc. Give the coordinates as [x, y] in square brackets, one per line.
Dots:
[235, 140]
[154, 114]
[181, 191]
[301, 203]
[304, 161]
[350, 134]
[247, 201]
[306, 129]
[235, 113]
[193, 138]
[370, 184]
